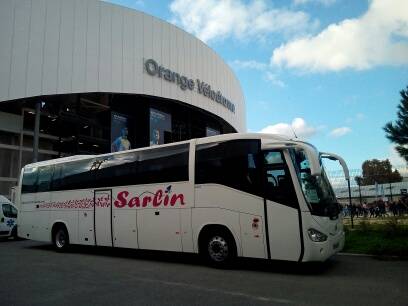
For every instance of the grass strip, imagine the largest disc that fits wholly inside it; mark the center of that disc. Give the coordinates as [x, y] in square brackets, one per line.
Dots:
[383, 240]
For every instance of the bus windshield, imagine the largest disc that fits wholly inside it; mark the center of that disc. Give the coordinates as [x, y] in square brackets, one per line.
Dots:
[316, 189]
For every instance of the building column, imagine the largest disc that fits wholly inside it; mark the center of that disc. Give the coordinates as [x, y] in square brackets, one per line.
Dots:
[36, 131]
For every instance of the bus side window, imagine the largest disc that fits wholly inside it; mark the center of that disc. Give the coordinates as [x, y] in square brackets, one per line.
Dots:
[232, 163]
[116, 170]
[29, 183]
[57, 177]
[77, 175]
[156, 165]
[169, 164]
[279, 186]
[44, 178]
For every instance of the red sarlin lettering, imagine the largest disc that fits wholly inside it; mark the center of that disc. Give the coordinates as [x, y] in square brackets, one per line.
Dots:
[157, 198]
[121, 201]
[166, 200]
[176, 197]
[146, 201]
[134, 202]
[160, 197]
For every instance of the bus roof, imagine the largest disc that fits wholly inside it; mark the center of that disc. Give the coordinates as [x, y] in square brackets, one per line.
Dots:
[232, 136]
[59, 160]
[223, 137]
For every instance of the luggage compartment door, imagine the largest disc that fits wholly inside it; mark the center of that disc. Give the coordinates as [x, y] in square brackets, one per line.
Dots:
[103, 217]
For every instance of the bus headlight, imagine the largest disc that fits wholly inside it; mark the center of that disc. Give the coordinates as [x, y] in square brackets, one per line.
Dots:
[316, 236]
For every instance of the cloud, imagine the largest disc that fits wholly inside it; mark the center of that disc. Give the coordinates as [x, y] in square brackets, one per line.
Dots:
[377, 38]
[217, 19]
[251, 64]
[339, 132]
[274, 80]
[298, 125]
[268, 76]
[323, 2]
[356, 117]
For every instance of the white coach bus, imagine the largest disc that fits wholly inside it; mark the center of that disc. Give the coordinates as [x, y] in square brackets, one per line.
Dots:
[248, 195]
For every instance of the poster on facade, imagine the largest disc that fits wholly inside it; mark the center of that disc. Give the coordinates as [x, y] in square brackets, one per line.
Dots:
[211, 132]
[160, 126]
[119, 133]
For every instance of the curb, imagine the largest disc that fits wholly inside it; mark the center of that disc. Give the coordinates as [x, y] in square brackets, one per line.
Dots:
[357, 254]
[374, 256]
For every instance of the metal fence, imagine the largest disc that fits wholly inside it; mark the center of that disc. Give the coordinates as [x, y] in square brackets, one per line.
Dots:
[386, 191]
[371, 201]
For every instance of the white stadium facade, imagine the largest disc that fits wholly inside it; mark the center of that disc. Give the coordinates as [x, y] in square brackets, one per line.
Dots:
[89, 77]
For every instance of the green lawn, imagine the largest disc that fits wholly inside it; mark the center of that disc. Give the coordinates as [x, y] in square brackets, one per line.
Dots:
[389, 238]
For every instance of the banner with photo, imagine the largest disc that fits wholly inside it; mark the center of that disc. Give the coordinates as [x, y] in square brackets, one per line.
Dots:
[119, 133]
[160, 127]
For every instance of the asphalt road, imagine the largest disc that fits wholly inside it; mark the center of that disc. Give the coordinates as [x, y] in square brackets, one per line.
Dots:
[32, 273]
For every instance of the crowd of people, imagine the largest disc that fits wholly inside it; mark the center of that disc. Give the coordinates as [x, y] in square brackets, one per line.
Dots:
[377, 209]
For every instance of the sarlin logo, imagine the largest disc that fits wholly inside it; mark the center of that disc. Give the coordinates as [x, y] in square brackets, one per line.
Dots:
[159, 198]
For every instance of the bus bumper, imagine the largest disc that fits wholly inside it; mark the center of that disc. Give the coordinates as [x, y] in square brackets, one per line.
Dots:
[321, 251]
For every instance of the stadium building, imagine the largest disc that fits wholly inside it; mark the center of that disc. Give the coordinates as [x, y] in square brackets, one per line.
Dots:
[89, 77]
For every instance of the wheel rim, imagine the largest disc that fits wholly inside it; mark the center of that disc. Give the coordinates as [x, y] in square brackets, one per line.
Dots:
[218, 249]
[60, 239]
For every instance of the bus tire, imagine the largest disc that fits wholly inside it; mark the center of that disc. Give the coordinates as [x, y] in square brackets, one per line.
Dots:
[218, 247]
[60, 238]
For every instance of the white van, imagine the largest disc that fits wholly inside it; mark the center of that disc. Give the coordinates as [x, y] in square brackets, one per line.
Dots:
[8, 218]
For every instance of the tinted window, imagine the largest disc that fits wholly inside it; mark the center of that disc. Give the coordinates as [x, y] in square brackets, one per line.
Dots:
[279, 187]
[232, 163]
[273, 158]
[158, 165]
[8, 211]
[44, 178]
[163, 165]
[58, 177]
[13, 212]
[30, 177]
[74, 175]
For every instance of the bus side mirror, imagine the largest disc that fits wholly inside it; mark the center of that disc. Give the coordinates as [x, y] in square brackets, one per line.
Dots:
[343, 164]
[2, 220]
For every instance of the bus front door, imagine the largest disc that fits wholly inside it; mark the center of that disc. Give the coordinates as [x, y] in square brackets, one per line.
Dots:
[103, 217]
[281, 209]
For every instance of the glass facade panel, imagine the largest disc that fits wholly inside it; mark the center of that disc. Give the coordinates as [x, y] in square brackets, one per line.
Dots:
[78, 124]
[160, 127]
[119, 133]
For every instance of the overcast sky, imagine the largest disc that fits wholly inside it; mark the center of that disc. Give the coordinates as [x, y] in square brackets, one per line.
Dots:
[330, 70]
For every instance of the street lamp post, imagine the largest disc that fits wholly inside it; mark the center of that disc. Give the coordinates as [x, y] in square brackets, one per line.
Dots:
[359, 192]
[351, 207]
[390, 192]
[36, 131]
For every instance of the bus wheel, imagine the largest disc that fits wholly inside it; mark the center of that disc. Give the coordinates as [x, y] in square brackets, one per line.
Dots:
[219, 249]
[61, 238]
